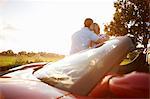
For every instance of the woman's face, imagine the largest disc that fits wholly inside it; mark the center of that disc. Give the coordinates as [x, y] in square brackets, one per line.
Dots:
[95, 28]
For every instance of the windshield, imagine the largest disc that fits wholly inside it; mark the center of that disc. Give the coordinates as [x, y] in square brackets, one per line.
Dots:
[74, 69]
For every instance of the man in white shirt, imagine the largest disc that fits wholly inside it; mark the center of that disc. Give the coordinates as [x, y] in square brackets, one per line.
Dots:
[82, 38]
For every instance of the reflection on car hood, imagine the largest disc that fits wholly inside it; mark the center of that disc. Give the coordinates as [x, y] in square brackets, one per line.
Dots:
[80, 68]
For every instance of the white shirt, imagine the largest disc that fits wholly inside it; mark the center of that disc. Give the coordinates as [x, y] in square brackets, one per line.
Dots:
[81, 40]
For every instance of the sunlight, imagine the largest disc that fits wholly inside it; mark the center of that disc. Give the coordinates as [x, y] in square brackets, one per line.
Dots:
[47, 25]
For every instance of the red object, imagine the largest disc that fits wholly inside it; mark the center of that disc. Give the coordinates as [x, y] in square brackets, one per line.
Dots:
[133, 85]
[11, 88]
[102, 89]
[22, 86]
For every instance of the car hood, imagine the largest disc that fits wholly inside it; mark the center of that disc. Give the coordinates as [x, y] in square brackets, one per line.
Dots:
[12, 88]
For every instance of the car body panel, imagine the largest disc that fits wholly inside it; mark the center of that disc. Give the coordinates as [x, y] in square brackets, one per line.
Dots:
[132, 85]
[14, 88]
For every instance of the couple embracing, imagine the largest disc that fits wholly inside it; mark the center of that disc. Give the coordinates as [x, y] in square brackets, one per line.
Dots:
[88, 36]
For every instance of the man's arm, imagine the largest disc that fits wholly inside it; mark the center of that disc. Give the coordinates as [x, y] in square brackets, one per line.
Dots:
[96, 39]
[96, 44]
[101, 41]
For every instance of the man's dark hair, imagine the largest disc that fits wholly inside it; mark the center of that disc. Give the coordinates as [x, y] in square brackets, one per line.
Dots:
[88, 22]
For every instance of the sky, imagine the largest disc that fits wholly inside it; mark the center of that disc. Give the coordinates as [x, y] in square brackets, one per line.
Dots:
[47, 25]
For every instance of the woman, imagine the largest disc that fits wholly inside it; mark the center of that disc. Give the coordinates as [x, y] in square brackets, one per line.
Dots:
[96, 29]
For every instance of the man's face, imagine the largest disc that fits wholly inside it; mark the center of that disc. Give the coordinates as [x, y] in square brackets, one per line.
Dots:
[88, 23]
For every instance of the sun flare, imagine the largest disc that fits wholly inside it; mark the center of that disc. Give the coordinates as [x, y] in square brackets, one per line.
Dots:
[47, 25]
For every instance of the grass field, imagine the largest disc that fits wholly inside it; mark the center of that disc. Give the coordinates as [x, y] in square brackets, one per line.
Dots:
[23, 59]
[12, 61]
[7, 60]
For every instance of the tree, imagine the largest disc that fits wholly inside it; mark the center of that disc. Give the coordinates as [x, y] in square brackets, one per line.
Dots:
[9, 52]
[22, 53]
[131, 17]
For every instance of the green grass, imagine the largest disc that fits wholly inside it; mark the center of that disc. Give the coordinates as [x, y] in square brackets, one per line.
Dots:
[23, 59]
[7, 60]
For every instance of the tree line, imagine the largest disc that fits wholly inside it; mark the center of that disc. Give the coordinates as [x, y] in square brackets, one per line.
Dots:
[30, 54]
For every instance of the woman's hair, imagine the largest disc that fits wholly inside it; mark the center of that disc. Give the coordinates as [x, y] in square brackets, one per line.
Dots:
[95, 27]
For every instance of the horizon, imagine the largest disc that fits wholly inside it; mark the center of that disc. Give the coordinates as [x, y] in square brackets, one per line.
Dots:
[27, 52]
[47, 25]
